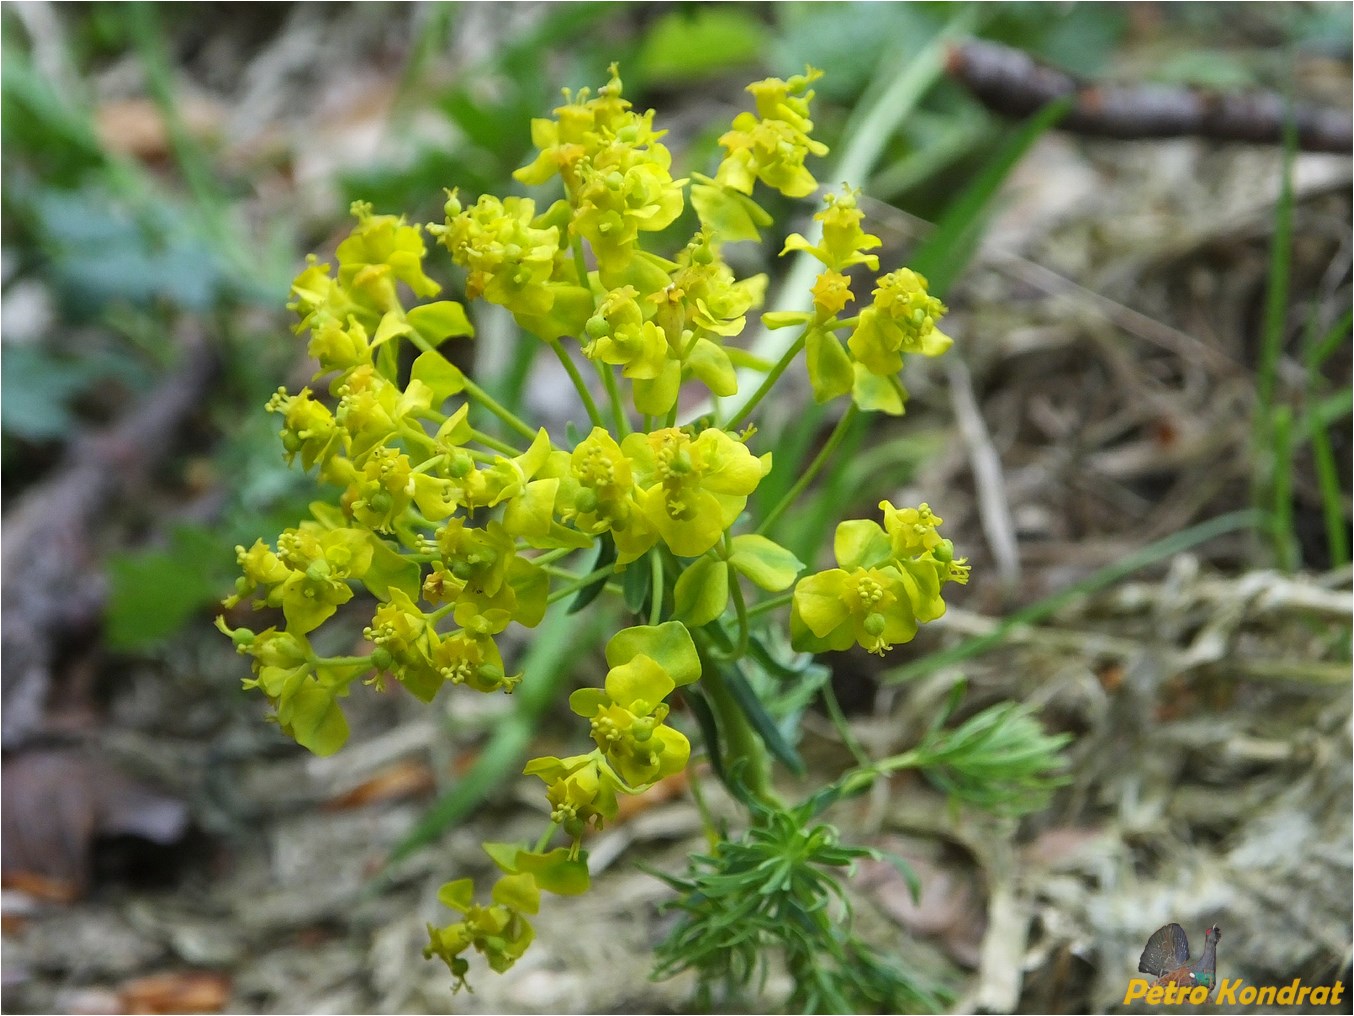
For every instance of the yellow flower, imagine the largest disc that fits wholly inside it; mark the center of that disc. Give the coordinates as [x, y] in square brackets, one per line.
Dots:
[772, 145]
[901, 320]
[691, 491]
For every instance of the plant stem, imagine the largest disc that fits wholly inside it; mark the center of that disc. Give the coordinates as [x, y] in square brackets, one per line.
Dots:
[502, 412]
[848, 736]
[613, 393]
[769, 381]
[656, 592]
[489, 441]
[477, 393]
[571, 369]
[834, 440]
[740, 740]
[586, 580]
[773, 603]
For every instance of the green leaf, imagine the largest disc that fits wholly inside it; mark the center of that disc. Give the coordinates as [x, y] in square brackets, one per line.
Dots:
[761, 720]
[711, 364]
[765, 562]
[702, 591]
[829, 367]
[668, 644]
[391, 570]
[440, 320]
[457, 895]
[763, 656]
[729, 215]
[314, 719]
[861, 543]
[637, 584]
[439, 374]
[518, 892]
[154, 593]
[504, 855]
[876, 393]
[556, 872]
[705, 719]
[697, 41]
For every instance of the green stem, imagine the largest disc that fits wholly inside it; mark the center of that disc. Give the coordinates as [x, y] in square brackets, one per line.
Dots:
[740, 740]
[571, 369]
[829, 448]
[476, 392]
[769, 381]
[774, 603]
[578, 584]
[502, 412]
[656, 593]
[613, 393]
[839, 721]
[342, 661]
[711, 827]
[550, 556]
[546, 836]
[489, 441]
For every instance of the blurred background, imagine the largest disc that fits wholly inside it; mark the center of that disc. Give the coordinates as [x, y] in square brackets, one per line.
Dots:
[1141, 441]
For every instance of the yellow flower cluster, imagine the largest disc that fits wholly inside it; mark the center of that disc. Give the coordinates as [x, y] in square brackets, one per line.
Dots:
[458, 519]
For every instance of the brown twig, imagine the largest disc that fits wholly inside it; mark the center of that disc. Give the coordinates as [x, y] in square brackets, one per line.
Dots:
[52, 588]
[1008, 81]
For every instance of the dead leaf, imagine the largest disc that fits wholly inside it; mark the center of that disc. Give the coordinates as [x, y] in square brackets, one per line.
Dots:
[136, 127]
[188, 991]
[394, 783]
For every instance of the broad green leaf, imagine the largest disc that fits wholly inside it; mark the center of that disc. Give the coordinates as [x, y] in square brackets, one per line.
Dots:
[702, 591]
[518, 892]
[504, 855]
[668, 644]
[391, 570]
[861, 543]
[765, 562]
[439, 374]
[828, 365]
[729, 215]
[556, 872]
[315, 720]
[877, 394]
[458, 895]
[711, 364]
[154, 593]
[440, 320]
[422, 682]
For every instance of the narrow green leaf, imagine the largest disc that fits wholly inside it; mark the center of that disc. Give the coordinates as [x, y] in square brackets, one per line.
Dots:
[943, 255]
[637, 584]
[761, 720]
[705, 719]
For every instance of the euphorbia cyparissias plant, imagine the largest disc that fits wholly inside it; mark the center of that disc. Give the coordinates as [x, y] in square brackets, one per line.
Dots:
[457, 517]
